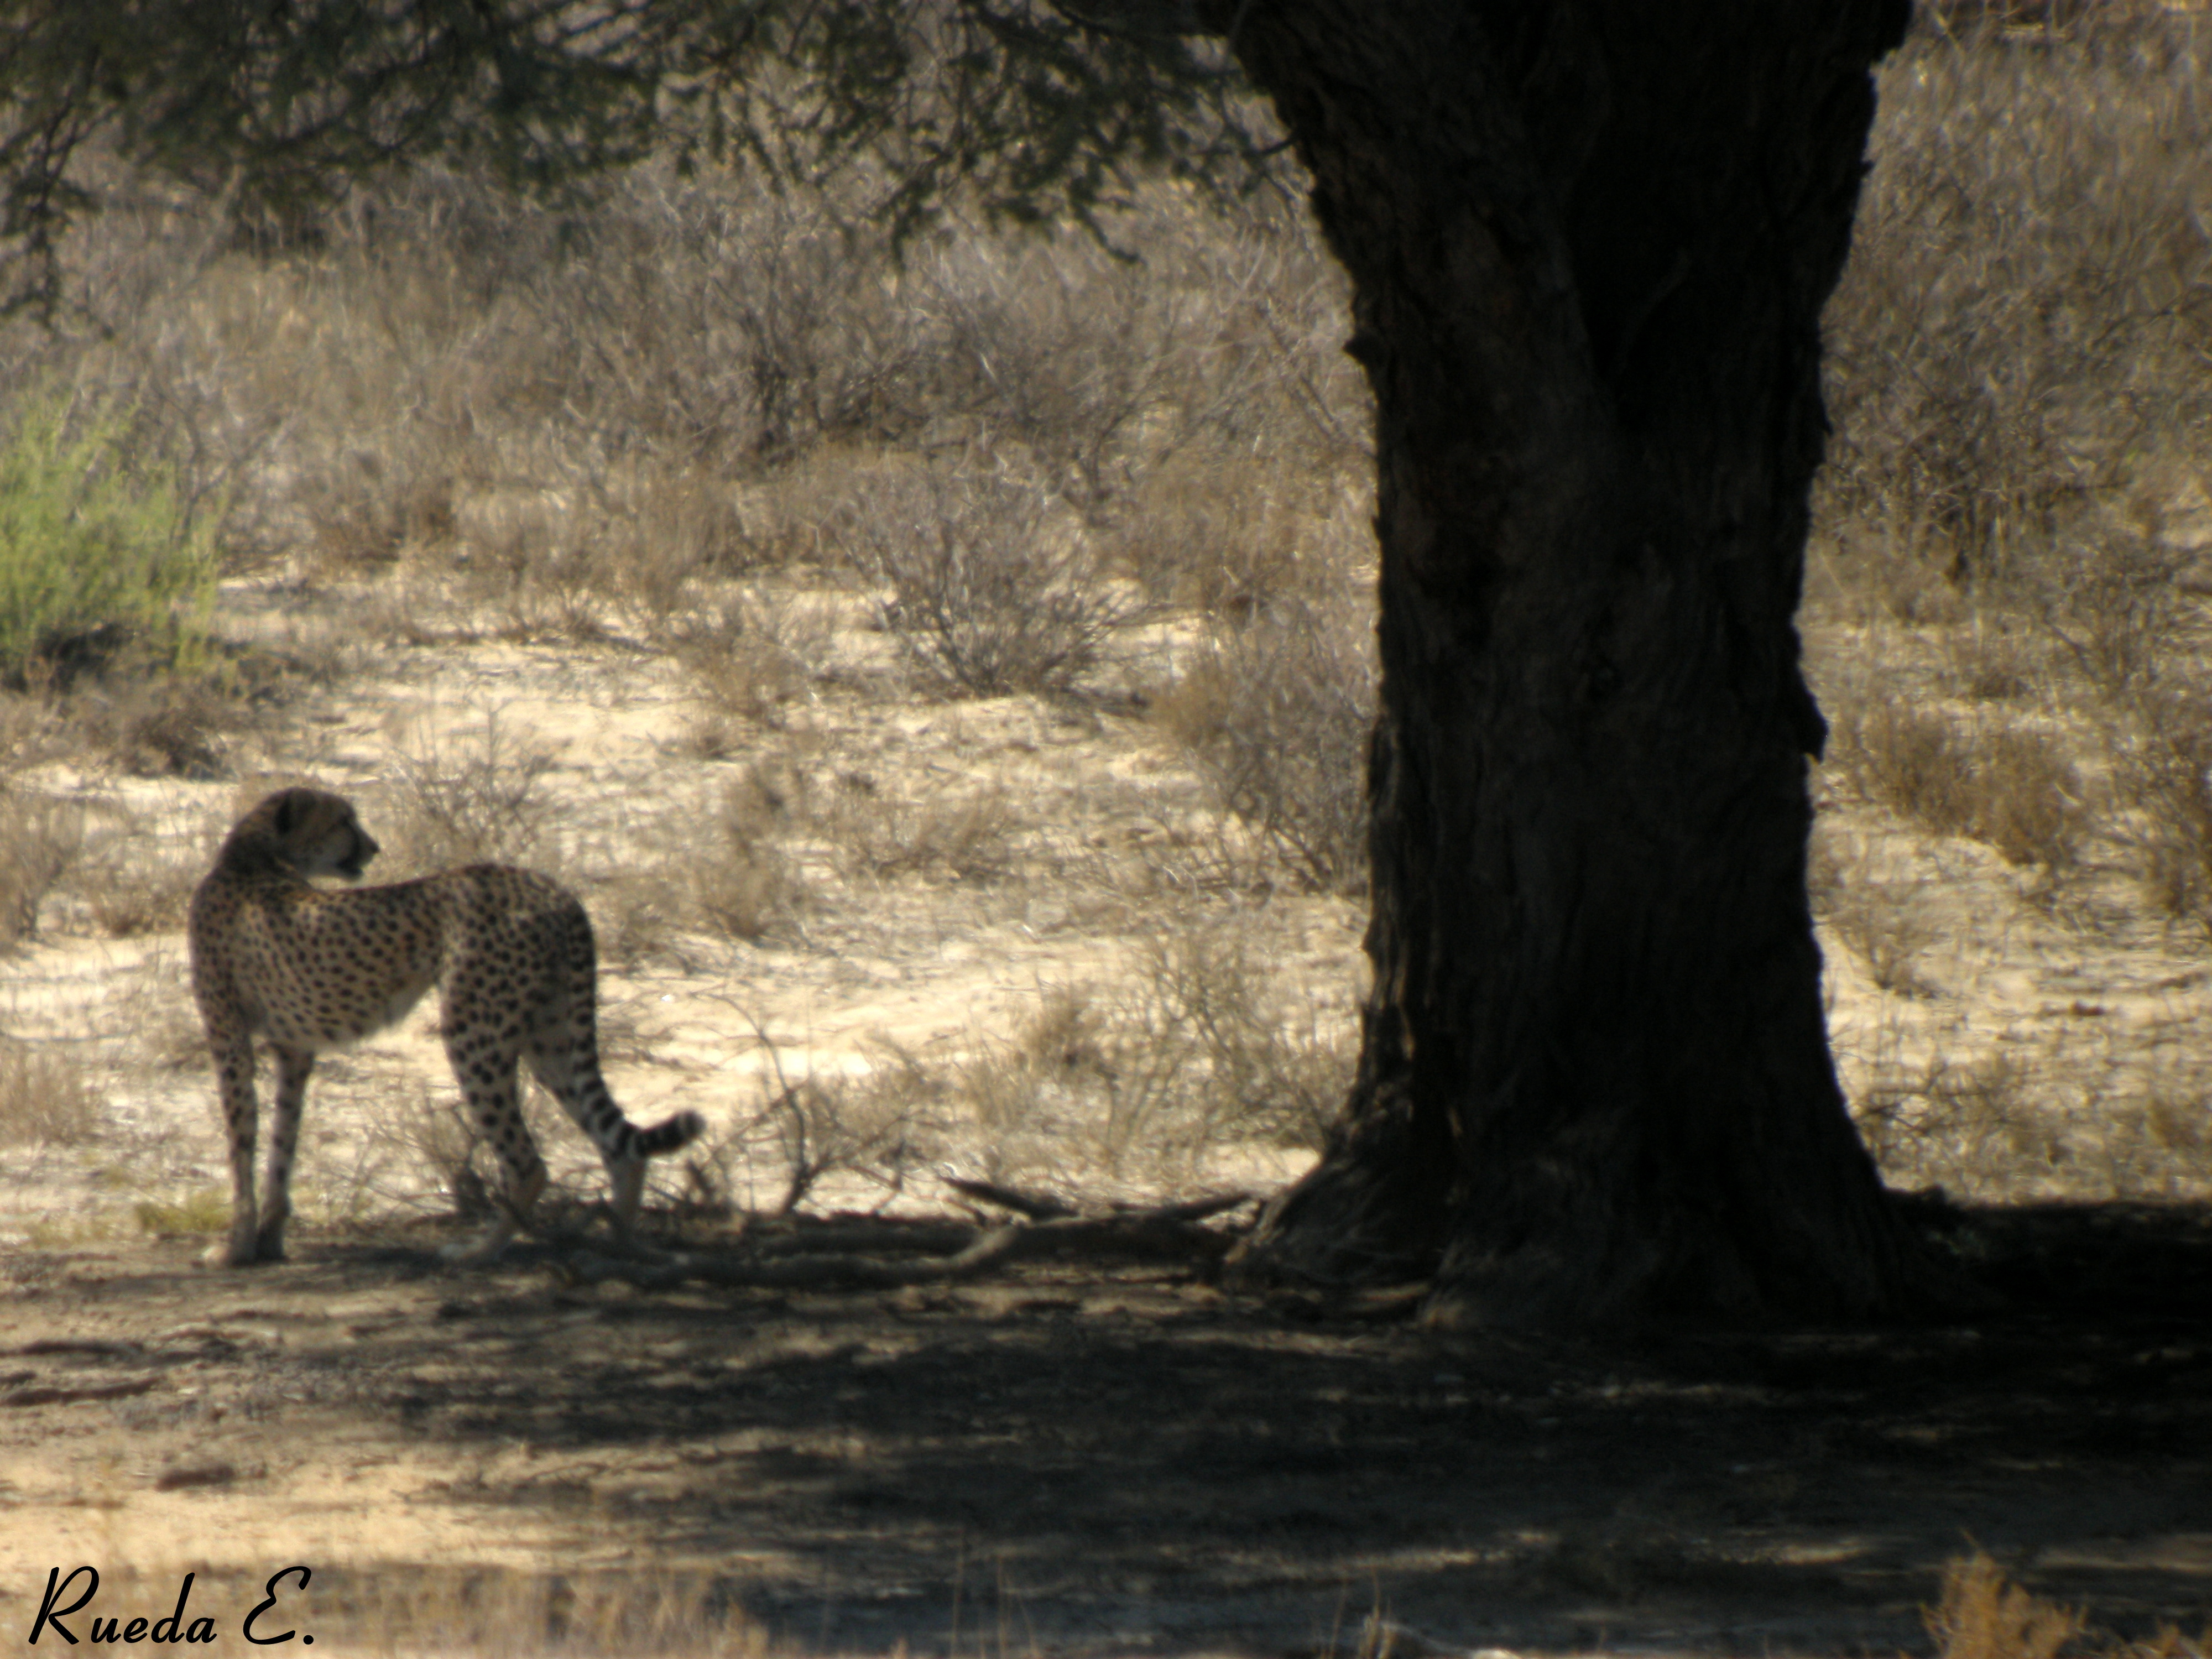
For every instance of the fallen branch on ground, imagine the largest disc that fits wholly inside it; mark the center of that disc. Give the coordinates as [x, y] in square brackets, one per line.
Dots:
[1169, 1232]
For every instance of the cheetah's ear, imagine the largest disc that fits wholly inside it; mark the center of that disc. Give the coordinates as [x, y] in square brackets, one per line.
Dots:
[287, 811]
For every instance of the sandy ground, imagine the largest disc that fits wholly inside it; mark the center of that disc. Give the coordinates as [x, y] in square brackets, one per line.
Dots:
[1103, 1458]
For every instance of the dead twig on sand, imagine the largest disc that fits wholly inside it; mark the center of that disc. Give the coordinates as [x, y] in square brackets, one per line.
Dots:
[1170, 1232]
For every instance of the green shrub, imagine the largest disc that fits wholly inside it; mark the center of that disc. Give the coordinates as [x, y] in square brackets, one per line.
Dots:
[97, 548]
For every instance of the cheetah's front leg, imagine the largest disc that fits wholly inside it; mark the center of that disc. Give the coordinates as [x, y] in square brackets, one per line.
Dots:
[233, 1072]
[293, 1066]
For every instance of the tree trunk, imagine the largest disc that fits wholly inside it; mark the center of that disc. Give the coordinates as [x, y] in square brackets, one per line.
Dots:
[1590, 245]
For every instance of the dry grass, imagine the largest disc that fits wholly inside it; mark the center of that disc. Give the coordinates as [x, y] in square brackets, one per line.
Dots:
[135, 879]
[381, 1611]
[743, 884]
[883, 1125]
[1890, 926]
[1198, 1048]
[1983, 1615]
[1276, 715]
[749, 655]
[1210, 532]
[2009, 785]
[991, 584]
[2016, 338]
[44, 1098]
[476, 799]
[39, 841]
[967, 836]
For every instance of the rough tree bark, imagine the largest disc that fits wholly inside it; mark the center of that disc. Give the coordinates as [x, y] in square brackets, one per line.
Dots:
[1589, 242]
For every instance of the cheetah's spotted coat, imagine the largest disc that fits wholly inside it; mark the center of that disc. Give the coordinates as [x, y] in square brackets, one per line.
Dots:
[310, 969]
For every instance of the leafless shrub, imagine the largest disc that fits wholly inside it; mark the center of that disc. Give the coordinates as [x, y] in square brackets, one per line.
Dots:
[1198, 1048]
[376, 506]
[1232, 540]
[969, 837]
[425, 1154]
[1065, 355]
[746, 885]
[136, 881]
[1994, 657]
[158, 724]
[39, 840]
[2162, 774]
[2137, 639]
[474, 799]
[2086, 1118]
[1887, 925]
[992, 587]
[1277, 716]
[748, 656]
[880, 1124]
[1947, 1118]
[2019, 327]
[2009, 785]
[1267, 1076]
[44, 1098]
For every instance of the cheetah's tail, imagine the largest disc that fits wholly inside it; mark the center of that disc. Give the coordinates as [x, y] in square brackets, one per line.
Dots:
[667, 1135]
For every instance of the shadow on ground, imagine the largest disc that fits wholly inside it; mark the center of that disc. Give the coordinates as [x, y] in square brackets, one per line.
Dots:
[1109, 1459]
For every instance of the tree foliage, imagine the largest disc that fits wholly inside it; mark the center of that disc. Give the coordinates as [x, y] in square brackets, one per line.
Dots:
[280, 105]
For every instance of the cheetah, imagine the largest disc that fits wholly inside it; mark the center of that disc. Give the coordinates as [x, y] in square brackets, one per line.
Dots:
[311, 969]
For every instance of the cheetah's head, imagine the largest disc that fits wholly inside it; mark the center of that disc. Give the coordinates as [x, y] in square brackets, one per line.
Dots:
[310, 831]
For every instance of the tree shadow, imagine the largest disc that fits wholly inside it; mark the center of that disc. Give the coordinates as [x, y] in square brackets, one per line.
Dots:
[1124, 1456]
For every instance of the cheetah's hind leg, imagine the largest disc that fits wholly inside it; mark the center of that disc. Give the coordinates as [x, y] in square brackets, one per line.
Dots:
[564, 1057]
[483, 1059]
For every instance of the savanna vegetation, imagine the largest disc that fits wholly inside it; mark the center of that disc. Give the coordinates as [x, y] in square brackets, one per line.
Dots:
[941, 649]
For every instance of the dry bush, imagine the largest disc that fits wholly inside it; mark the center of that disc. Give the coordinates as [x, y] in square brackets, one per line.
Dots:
[1200, 1049]
[1994, 657]
[136, 883]
[44, 1098]
[748, 655]
[1216, 530]
[2081, 1114]
[1277, 716]
[880, 1125]
[425, 1155]
[992, 586]
[39, 841]
[2018, 332]
[151, 720]
[447, 376]
[497, 1613]
[2162, 774]
[722, 871]
[1887, 925]
[472, 800]
[1064, 354]
[745, 886]
[1972, 1126]
[1982, 1616]
[970, 836]
[1267, 1074]
[2006, 785]
[2137, 639]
